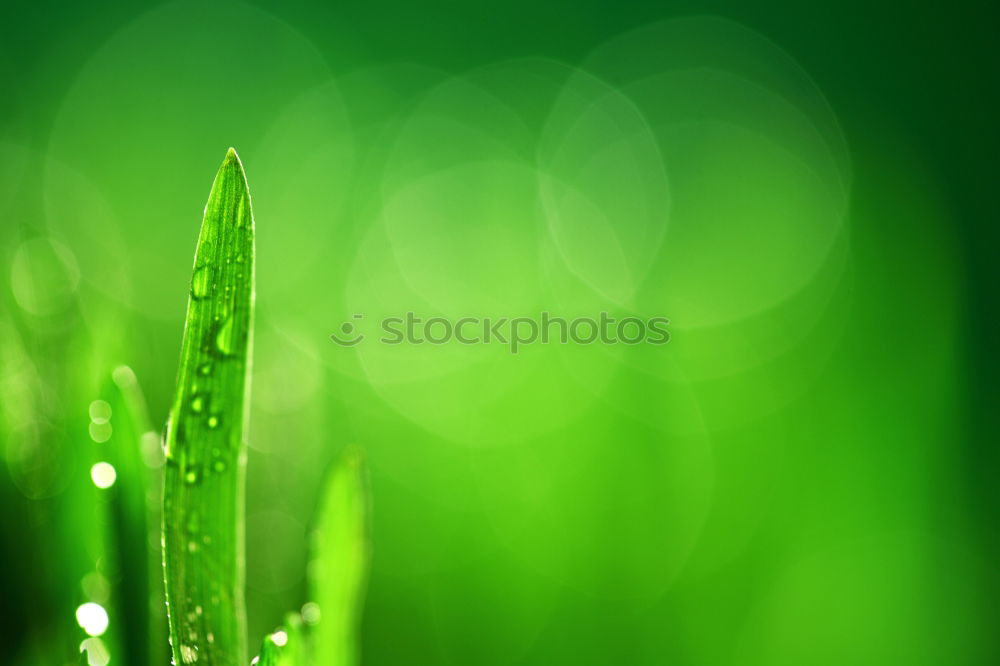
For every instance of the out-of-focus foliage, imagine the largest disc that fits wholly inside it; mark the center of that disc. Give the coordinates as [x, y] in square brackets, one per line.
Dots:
[339, 569]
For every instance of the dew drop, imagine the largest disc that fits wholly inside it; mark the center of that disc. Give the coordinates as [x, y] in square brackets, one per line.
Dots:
[103, 475]
[205, 253]
[199, 282]
[197, 404]
[189, 655]
[92, 618]
[218, 464]
[224, 338]
[192, 476]
[213, 421]
[205, 369]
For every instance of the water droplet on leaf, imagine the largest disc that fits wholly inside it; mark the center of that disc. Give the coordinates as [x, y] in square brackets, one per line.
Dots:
[224, 338]
[199, 282]
[189, 655]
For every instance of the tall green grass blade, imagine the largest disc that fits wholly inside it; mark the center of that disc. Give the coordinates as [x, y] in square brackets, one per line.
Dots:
[205, 443]
[339, 568]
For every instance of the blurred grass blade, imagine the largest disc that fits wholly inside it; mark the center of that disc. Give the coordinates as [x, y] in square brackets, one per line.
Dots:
[286, 646]
[204, 494]
[269, 655]
[339, 569]
[132, 500]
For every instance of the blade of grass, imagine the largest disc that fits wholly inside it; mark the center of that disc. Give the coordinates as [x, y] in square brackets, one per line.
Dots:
[270, 653]
[138, 462]
[285, 647]
[122, 481]
[205, 442]
[339, 568]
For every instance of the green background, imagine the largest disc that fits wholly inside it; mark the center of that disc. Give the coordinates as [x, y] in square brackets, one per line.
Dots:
[804, 475]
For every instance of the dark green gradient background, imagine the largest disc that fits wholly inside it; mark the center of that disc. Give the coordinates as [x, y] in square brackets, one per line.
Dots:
[806, 474]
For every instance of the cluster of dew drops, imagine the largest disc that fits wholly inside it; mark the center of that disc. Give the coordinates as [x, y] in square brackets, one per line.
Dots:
[189, 650]
[199, 404]
[220, 343]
